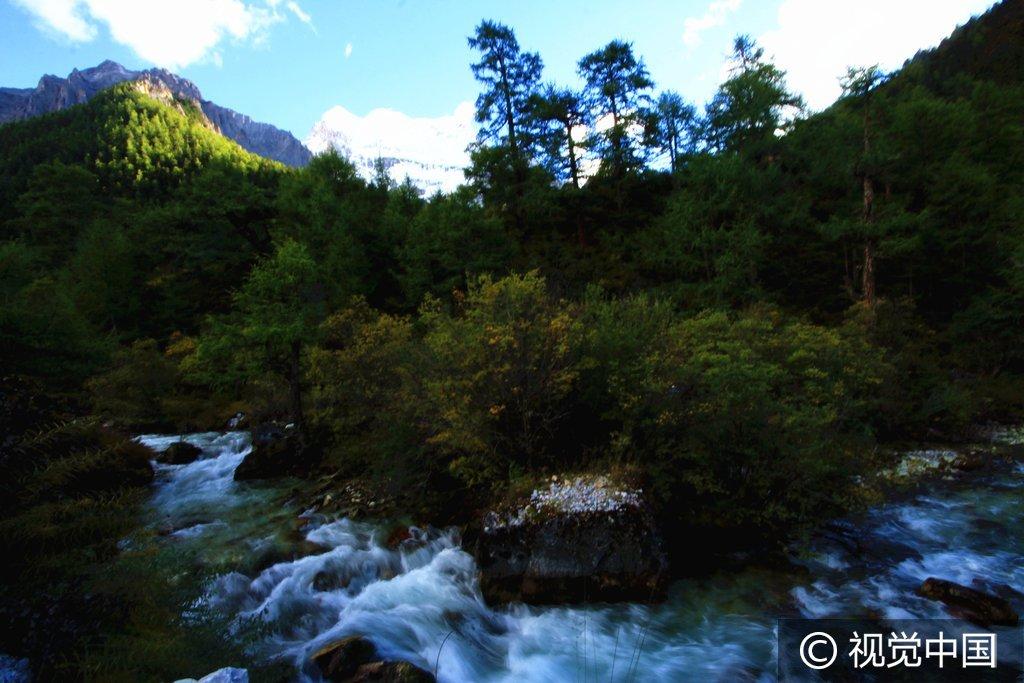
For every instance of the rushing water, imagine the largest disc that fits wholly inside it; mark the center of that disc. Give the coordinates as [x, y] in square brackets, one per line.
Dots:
[421, 603]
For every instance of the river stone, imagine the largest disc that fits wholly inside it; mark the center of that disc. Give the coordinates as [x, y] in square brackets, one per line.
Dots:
[354, 660]
[391, 672]
[969, 461]
[969, 604]
[558, 555]
[338, 661]
[180, 453]
[225, 675]
[276, 452]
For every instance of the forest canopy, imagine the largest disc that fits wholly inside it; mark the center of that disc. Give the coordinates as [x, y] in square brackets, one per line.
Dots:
[624, 276]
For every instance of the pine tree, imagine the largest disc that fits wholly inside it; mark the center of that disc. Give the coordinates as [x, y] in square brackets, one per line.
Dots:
[616, 92]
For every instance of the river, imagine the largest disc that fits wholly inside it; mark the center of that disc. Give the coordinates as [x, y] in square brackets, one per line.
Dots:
[421, 603]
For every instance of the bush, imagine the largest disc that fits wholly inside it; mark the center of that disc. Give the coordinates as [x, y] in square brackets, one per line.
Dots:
[750, 421]
[135, 389]
[505, 366]
[70, 491]
[925, 396]
[366, 380]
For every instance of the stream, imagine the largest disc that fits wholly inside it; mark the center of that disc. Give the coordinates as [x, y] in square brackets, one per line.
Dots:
[421, 602]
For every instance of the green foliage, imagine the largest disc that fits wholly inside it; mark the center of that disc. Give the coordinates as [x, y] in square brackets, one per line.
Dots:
[42, 332]
[709, 244]
[922, 398]
[68, 497]
[705, 326]
[510, 78]
[281, 302]
[751, 105]
[616, 86]
[136, 145]
[276, 315]
[750, 421]
[367, 390]
[559, 114]
[674, 131]
[505, 369]
[329, 208]
[451, 237]
[136, 388]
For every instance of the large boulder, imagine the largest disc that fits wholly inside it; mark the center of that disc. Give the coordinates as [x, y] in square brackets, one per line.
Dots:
[391, 672]
[180, 453]
[354, 660]
[276, 452]
[585, 539]
[970, 604]
[225, 675]
[338, 661]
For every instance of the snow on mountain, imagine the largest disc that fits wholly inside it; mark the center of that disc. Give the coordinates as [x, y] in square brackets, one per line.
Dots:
[431, 152]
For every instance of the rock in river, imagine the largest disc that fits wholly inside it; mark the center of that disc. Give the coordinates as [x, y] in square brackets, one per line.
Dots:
[354, 660]
[225, 675]
[276, 452]
[585, 539]
[180, 453]
[970, 604]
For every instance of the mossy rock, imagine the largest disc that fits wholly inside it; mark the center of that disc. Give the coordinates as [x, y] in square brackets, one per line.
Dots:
[180, 453]
[339, 661]
[391, 672]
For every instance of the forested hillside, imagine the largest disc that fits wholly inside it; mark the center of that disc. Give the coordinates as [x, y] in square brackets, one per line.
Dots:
[886, 226]
[733, 304]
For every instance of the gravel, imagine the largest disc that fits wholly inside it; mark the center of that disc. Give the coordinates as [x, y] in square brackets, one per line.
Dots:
[579, 496]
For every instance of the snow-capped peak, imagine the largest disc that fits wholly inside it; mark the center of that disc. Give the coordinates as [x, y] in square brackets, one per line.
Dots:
[430, 151]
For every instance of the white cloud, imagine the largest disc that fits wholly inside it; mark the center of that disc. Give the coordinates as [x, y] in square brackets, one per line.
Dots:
[302, 16]
[715, 15]
[348, 50]
[816, 41]
[62, 16]
[167, 33]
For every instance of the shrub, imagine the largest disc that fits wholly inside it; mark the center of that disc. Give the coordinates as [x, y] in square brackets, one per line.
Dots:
[135, 389]
[505, 365]
[750, 421]
[366, 380]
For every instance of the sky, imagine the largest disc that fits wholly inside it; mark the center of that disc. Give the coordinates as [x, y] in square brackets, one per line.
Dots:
[287, 62]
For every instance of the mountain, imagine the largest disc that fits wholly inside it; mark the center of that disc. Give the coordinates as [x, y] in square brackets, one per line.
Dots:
[989, 47]
[138, 138]
[431, 152]
[54, 94]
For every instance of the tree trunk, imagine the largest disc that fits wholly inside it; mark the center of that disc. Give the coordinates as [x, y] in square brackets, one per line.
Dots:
[673, 153]
[868, 275]
[848, 274]
[574, 173]
[506, 91]
[513, 143]
[616, 139]
[574, 170]
[295, 392]
[868, 217]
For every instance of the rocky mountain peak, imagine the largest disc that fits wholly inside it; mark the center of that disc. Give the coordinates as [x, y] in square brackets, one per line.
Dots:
[54, 93]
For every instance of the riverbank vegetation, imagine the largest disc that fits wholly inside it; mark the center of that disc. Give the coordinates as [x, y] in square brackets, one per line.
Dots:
[735, 300]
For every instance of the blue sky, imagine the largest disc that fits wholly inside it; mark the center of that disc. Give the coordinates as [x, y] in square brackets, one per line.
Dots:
[288, 61]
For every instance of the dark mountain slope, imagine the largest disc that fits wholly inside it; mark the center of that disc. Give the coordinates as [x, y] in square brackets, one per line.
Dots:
[989, 47]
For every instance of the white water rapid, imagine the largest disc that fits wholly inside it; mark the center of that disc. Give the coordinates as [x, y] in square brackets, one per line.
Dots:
[420, 602]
